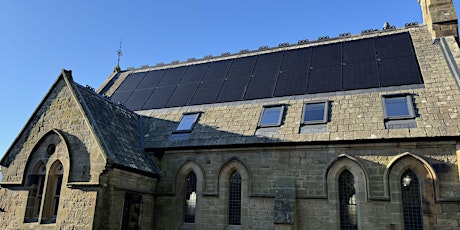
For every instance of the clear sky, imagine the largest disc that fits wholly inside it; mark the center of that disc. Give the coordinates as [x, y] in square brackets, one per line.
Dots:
[39, 38]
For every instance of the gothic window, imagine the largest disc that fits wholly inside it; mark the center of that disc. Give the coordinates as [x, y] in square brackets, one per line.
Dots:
[35, 183]
[348, 203]
[131, 211]
[53, 193]
[234, 206]
[411, 201]
[190, 198]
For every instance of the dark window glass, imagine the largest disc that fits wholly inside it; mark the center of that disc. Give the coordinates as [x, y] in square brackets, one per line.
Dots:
[187, 122]
[234, 206]
[411, 200]
[57, 195]
[315, 113]
[190, 198]
[397, 107]
[131, 211]
[348, 204]
[271, 116]
[35, 183]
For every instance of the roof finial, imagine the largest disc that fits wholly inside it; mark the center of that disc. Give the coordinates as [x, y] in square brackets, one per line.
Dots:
[119, 53]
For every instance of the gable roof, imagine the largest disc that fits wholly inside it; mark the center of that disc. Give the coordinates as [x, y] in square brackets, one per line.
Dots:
[350, 64]
[116, 129]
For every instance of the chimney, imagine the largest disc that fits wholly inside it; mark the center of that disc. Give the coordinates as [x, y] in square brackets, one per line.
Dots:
[440, 17]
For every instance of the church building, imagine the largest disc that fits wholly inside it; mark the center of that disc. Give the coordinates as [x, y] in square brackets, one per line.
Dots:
[350, 132]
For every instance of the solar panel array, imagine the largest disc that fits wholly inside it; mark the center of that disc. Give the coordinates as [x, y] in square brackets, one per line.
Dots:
[360, 64]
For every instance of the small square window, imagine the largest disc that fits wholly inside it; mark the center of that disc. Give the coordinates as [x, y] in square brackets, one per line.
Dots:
[398, 107]
[315, 113]
[398, 111]
[187, 122]
[271, 116]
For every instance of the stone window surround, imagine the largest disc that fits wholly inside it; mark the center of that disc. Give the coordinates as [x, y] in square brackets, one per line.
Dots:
[224, 179]
[180, 185]
[60, 157]
[342, 163]
[427, 179]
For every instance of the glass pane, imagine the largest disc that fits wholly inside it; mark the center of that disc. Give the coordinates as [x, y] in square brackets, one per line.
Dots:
[396, 107]
[347, 197]
[190, 199]
[412, 201]
[234, 206]
[314, 112]
[187, 122]
[271, 116]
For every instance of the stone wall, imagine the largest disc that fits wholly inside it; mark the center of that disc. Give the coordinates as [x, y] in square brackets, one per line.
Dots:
[268, 171]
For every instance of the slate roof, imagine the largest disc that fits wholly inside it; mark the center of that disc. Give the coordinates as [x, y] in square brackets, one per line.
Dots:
[373, 62]
[120, 131]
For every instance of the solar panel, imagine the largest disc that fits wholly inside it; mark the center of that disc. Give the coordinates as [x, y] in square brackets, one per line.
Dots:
[194, 73]
[396, 45]
[292, 79]
[360, 75]
[399, 71]
[172, 76]
[323, 79]
[138, 98]
[211, 83]
[131, 81]
[358, 64]
[329, 54]
[265, 74]
[237, 80]
[182, 95]
[151, 79]
[159, 97]
[121, 96]
[358, 50]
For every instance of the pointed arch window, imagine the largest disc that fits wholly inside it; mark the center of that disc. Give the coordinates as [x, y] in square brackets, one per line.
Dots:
[411, 201]
[35, 183]
[53, 193]
[190, 198]
[234, 206]
[348, 203]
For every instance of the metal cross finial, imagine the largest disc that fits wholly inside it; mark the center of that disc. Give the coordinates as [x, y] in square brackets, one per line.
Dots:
[119, 53]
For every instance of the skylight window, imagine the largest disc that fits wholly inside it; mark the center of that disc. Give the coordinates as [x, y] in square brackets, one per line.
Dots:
[187, 122]
[399, 112]
[398, 107]
[271, 116]
[315, 113]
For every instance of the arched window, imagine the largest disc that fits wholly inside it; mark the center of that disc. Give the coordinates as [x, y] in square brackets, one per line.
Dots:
[234, 200]
[35, 182]
[411, 201]
[348, 203]
[190, 198]
[53, 193]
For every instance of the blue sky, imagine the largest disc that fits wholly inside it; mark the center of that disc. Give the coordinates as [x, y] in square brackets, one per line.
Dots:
[39, 38]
